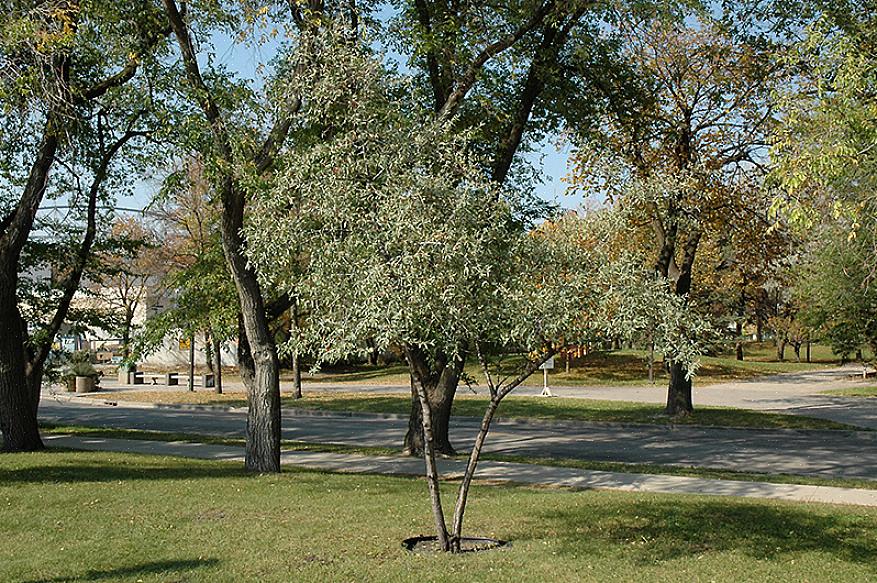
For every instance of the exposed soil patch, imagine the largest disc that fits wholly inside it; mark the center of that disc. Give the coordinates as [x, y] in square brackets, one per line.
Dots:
[429, 544]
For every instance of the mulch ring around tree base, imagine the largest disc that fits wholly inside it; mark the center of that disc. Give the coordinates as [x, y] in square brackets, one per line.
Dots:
[429, 544]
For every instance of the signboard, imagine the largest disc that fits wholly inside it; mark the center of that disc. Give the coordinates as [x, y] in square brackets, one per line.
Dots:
[185, 343]
[547, 365]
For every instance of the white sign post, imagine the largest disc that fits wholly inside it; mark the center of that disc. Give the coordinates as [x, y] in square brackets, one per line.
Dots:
[548, 364]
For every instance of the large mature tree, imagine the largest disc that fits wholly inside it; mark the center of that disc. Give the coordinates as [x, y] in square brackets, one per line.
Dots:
[826, 148]
[508, 72]
[77, 80]
[243, 132]
[685, 154]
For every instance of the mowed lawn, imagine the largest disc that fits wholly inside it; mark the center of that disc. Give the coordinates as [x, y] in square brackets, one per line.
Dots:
[610, 368]
[600, 368]
[84, 516]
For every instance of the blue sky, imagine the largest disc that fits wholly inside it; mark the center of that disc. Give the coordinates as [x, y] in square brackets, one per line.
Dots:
[244, 60]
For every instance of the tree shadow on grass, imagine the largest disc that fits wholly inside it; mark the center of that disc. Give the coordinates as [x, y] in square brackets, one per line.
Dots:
[655, 531]
[122, 467]
[154, 568]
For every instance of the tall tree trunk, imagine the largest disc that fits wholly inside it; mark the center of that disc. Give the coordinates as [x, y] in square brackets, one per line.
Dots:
[679, 400]
[126, 333]
[739, 344]
[263, 396]
[18, 411]
[781, 349]
[440, 385]
[741, 316]
[296, 376]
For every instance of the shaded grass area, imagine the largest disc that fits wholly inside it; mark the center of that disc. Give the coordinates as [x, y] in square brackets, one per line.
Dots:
[853, 392]
[584, 410]
[658, 469]
[89, 516]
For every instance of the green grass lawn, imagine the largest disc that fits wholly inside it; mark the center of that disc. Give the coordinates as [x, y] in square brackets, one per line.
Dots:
[123, 518]
[605, 368]
[586, 410]
[864, 391]
[600, 368]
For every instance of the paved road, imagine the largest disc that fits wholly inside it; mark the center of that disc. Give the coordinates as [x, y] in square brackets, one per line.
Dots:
[818, 453]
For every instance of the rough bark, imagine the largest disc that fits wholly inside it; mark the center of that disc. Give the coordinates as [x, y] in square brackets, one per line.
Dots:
[679, 399]
[263, 395]
[18, 419]
[439, 381]
[296, 376]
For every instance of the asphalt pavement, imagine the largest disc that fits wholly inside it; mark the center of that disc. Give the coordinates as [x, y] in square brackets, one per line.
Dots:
[834, 454]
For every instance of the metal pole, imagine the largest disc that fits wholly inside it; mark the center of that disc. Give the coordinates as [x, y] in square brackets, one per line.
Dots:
[192, 363]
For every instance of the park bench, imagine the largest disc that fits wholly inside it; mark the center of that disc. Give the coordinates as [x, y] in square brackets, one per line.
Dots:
[154, 378]
[865, 374]
[202, 380]
[170, 379]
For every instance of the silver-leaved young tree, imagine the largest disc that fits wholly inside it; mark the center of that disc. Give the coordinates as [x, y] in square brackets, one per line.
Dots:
[387, 229]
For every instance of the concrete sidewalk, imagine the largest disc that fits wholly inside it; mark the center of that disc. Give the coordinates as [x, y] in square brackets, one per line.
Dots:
[529, 474]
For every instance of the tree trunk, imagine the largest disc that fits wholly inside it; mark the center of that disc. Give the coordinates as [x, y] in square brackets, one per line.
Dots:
[474, 455]
[18, 407]
[808, 350]
[296, 376]
[440, 386]
[781, 350]
[739, 345]
[372, 357]
[263, 418]
[797, 348]
[217, 365]
[432, 475]
[679, 403]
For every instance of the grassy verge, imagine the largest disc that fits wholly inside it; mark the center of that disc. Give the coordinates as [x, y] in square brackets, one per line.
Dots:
[853, 392]
[584, 410]
[88, 516]
[658, 469]
[602, 368]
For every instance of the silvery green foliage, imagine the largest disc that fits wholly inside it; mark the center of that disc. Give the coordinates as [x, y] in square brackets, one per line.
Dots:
[383, 227]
